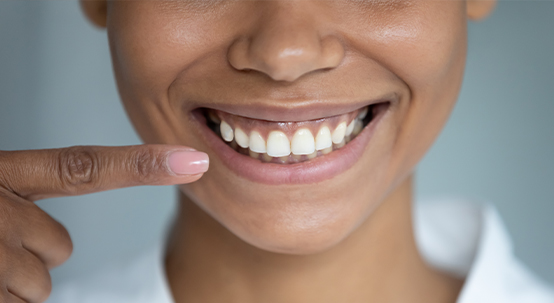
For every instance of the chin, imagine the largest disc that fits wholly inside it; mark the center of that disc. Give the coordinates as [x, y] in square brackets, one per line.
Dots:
[286, 223]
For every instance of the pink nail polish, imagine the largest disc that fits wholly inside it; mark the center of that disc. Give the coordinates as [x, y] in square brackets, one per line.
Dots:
[188, 162]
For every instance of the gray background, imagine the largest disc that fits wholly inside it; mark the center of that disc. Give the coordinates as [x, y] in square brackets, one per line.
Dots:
[57, 89]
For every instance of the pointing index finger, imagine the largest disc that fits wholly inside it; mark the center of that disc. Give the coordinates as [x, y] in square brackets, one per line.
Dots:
[77, 170]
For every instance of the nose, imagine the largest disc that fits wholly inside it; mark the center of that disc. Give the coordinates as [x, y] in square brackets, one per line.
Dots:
[285, 44]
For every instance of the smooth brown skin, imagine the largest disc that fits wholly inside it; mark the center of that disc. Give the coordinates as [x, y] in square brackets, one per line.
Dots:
[32, 242]
[348, 239]
[345, 239]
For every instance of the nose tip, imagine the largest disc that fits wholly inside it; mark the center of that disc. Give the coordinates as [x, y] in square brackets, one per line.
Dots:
[285, 51]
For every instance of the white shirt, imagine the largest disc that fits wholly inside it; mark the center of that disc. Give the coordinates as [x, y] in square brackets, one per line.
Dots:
[466, 240]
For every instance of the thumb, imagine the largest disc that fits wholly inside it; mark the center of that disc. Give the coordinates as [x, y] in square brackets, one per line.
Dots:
[77, 170]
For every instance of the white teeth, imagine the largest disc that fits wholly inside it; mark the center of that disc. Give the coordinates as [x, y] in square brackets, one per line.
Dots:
[349, 128]
[303, 145]
[226, 131]
[323, 138]
[303, 142]
[358, 126]
[339, 132]
[241, 138]
[278, 145]
[257, 143]
[363, 113]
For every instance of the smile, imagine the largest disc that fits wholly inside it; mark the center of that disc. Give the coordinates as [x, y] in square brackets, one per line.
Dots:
[287, 142]
[290, 152]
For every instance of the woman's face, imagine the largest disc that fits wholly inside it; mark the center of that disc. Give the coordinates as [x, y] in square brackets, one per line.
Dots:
[285, 72]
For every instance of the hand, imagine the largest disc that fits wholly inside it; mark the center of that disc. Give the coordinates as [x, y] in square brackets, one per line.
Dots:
[32, 242]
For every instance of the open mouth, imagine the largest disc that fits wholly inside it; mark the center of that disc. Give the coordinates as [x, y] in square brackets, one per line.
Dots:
[290, 152]
[290, 142]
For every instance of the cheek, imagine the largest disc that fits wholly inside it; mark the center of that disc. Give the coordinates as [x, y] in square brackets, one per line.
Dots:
[425, 54]
[150, 47]
[428, 55]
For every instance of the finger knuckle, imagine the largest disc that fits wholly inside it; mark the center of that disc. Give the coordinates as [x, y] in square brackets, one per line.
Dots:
[64, 247]
[44, 286]
[78, 166]
[146, 164]
[34, 273]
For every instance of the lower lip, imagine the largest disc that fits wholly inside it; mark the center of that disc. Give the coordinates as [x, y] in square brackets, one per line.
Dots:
[312, 171]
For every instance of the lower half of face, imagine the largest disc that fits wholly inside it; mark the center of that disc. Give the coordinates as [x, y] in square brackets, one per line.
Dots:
[312, 112]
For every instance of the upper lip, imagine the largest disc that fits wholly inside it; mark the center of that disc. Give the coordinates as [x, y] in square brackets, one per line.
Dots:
[296, 111]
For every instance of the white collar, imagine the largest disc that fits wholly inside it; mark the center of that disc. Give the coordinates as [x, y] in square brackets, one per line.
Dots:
[470, 241]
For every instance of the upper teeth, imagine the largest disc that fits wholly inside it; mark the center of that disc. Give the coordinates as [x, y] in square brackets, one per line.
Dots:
[350, 127]
[363, 113]
[278, 144]
[302, 143]
[257, 143]
[242, 138]
[323, 138]
[339, 133]
[226, 131]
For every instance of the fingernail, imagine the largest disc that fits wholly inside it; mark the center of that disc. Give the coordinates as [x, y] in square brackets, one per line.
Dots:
[188, 162]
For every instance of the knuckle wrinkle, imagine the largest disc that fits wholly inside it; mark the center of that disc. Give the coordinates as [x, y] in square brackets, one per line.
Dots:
[78, 166]
[147, 164]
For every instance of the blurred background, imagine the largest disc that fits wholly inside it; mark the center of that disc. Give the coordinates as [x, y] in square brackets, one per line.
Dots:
[57, 89]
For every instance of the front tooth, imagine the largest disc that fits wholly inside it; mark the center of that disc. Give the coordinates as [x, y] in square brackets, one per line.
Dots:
[349, 128]
[323, 138]
[278, 145]
[303, 142]
[226, 131]
[363, 113]
[339, 132]
[241, 138]
[257, 143]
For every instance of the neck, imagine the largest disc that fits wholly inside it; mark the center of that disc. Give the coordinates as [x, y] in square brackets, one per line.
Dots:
[379, 262]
